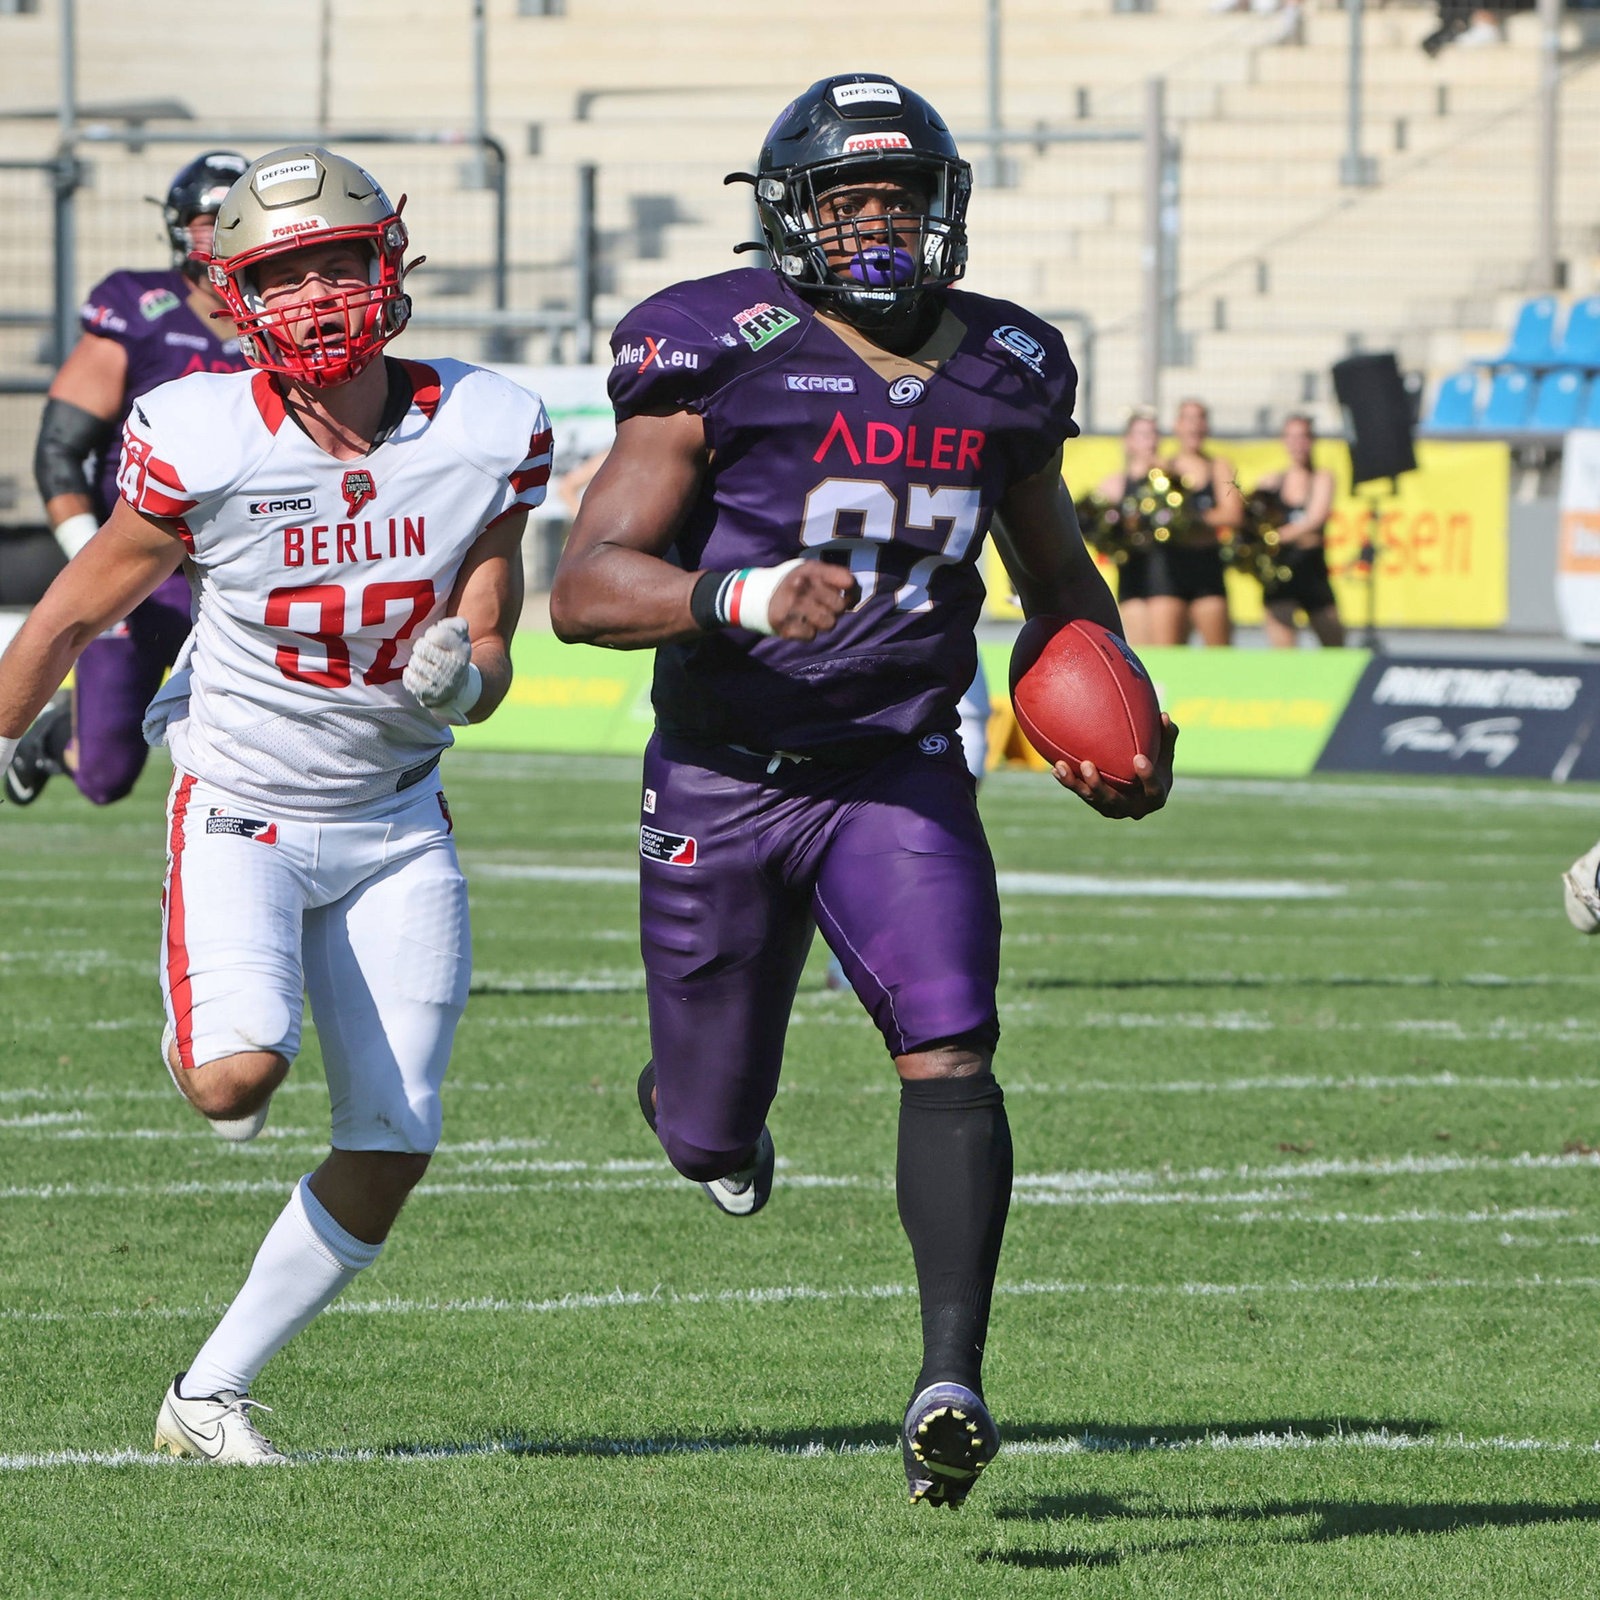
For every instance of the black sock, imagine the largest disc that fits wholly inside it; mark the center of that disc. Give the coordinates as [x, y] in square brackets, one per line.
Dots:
[954, 1186]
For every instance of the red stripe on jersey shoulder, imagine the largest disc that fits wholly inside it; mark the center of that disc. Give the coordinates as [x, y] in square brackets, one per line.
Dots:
[269, 401]
[425, 387]
[526, 478]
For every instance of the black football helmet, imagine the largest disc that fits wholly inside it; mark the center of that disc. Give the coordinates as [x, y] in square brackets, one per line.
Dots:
[197, 191]
[862, 126]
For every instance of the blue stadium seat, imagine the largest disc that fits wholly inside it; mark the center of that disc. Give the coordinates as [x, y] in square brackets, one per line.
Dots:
[1559, 402]
[1533, 338]
[1510, 401]
[1591, 412]
[1580, 343]
[1456, 404]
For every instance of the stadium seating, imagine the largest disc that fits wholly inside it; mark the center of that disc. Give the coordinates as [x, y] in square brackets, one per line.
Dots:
[1456, 404]
[1533, 341]
[1580, 340]
[1559, 401]
[1510, 401]
[1591, 410]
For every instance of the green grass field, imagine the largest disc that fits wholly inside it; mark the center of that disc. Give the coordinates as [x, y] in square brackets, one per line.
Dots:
[1300, 1297]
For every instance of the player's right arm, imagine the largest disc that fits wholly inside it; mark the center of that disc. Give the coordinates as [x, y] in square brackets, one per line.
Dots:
[79, 420]
[613, 585]
[120, 566]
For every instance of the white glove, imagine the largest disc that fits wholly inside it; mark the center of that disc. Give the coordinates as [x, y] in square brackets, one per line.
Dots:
[440, 672]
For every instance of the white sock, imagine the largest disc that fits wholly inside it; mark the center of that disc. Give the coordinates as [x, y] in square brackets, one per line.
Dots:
[304, 1262]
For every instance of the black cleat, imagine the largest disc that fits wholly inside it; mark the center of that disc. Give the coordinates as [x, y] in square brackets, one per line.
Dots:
[947, 1440]
[33, 765]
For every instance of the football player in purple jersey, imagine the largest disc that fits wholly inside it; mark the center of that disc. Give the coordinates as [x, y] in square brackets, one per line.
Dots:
[807, 461]
[140, 330]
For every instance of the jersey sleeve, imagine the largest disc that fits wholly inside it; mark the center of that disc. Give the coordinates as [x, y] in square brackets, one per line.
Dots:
[111, 309]
[179, 454]
[148, 478]
[1057, 396]
[663, 359]
[500, 426]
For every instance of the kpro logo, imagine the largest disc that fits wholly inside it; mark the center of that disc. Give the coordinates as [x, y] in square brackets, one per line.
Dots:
[296, 505]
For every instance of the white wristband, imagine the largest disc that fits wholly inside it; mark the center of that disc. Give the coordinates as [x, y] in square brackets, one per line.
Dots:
[8, 748]
[746, 598]
[73, 534]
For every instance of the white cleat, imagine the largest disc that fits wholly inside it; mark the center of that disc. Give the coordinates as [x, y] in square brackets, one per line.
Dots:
[217, 1428]
[236, 1130]
[743, 1193]
[1580, 894]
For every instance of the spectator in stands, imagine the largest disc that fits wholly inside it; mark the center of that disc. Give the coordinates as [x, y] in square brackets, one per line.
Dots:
[1141, 449]
[1187, 592]
[1472, 23]
[1306, 493]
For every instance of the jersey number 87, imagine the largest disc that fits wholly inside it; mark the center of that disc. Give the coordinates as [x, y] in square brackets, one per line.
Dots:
[873, 505]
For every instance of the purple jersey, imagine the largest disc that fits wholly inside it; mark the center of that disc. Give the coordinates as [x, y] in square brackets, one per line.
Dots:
[815, 452]
[149, 315]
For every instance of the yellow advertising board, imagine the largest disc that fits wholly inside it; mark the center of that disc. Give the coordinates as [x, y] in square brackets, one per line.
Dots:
[1441, 537]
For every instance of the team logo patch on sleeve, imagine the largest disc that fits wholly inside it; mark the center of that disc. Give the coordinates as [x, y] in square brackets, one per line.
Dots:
[676, 849]
[358, 488]
[242, 828]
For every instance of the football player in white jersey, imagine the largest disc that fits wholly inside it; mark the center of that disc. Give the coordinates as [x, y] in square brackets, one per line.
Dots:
[352, 525]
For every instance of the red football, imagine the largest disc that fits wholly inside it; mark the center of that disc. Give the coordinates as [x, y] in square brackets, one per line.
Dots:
[1080, 694]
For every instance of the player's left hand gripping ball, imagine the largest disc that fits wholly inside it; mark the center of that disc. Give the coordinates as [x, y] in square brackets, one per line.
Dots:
[440, 672]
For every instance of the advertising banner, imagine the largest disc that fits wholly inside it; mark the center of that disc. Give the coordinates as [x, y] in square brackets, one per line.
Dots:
[1441, 538]
[1578, 550]
[1244, 713]
[1241, 711]
[1512, 719]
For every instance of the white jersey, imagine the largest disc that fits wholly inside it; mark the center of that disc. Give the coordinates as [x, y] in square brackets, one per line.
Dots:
[314, 575]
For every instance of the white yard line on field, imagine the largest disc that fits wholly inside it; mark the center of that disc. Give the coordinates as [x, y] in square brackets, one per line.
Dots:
[800, 1294]
[1069, 1444]
[1064, 884]
[1130, 1186]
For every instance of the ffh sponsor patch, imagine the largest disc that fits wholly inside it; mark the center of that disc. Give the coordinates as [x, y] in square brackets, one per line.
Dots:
[818, 383]
[156, 303]
[676, 849]
[300, 505]
[357, 489]
[242, 827]
[761, 323]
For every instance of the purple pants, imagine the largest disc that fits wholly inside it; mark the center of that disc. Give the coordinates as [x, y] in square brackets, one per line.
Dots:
[116, 677]
[738, 866]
